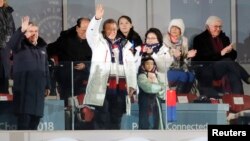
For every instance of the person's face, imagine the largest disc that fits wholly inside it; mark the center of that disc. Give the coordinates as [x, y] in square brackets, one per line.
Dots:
[151, 39]
[32, 34]
[215, 28]
[125, 25]
[111, 30]
[1, 3]
[175, 31]
[149, 65]
[81, 31]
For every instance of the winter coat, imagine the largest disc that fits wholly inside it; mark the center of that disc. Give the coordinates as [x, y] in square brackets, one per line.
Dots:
[30, 74]
[7, 25]
[101, 64]
[133, 37]
[206, 54]
[7, 28]
[182, 62]
[163, 60]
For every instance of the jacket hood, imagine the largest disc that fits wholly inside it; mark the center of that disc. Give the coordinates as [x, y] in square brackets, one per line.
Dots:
[179, 23]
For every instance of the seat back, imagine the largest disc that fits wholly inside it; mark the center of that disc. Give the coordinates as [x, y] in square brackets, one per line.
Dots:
[222, 85]
[237, 102]
[186, 98]
[6, 97]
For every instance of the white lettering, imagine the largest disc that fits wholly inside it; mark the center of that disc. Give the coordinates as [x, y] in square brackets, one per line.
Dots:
[230, 133]
[215, 132]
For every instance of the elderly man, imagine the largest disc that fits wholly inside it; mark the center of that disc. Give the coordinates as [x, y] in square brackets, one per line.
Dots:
[72, 47]
[217, 57]
[30, 74]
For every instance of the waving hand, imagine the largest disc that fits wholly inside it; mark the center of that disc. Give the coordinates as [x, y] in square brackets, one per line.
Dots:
[99, 12]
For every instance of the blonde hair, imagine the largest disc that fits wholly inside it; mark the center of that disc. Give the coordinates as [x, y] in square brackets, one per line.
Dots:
[213, 19]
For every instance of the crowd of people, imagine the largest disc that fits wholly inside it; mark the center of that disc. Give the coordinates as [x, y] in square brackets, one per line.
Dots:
[111, 65]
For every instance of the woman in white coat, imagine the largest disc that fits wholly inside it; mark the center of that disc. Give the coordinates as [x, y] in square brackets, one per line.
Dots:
[112, 74]
[155, 48]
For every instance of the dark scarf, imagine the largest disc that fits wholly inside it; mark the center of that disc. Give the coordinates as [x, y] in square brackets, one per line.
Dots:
[217, 44]
[118, 43]
[155, 47]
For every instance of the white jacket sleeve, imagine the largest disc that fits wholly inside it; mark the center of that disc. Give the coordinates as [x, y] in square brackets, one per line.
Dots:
[92, 33]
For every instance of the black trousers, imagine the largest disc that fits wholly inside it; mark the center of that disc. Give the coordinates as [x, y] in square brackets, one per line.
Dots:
[109, 115]
[4, 81]
[64, 79]
[218, 69]
[27, 122]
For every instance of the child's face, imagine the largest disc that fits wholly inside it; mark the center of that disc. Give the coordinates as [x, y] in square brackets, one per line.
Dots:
[149, 65]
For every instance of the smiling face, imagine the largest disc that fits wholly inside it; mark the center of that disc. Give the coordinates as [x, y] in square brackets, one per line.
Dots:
[151, 38]
[215, 28]
[110, 30]
[175, 31]
[32, 34]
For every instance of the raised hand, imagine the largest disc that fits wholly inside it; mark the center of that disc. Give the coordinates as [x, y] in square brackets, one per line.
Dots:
[99, 12]
[25, 23]
[79, 66]
[191, 53]
[227, 49]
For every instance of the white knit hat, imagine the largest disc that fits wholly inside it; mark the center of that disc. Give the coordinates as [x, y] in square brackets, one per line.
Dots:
[177, 22]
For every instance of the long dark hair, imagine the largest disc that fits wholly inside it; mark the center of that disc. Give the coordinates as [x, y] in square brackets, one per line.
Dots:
[143, 61]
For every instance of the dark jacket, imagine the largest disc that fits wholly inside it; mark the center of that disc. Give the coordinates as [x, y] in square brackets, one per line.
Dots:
[30, 74]
[7, 25]
[69, 47]
[7, 28]
[133, 37]
[206, 53]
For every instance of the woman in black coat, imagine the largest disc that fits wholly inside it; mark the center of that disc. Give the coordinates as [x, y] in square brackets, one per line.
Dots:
[216, 58]
[30, 75]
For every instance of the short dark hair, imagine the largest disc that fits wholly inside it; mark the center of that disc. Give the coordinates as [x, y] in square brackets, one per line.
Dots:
[158, 34]
[79, 21]
[108, 21]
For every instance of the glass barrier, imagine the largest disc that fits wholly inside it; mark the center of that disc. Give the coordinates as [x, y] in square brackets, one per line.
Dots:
[193, 107]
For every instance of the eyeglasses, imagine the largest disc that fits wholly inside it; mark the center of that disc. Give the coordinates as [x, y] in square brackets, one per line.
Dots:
[217, 26]
[151, 38]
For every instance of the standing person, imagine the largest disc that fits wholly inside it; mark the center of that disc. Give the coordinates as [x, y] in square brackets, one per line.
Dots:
[7, 28]
[217, 56]
[178, 73]
[150, 93]
[30, 74]
[155, 48]
[72, 46]
[126, 30]
[113, 72]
